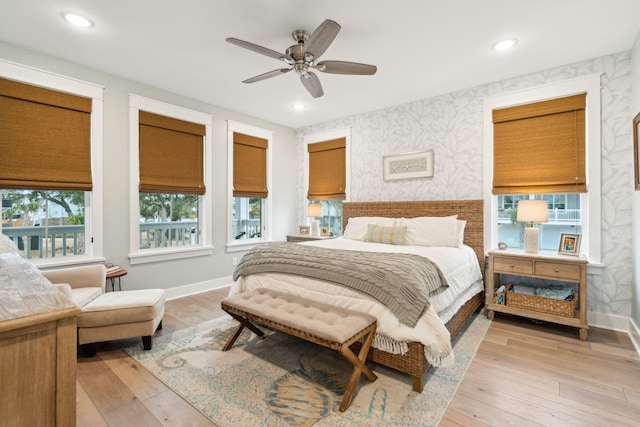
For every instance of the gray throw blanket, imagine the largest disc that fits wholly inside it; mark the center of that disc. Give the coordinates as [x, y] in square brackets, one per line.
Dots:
[402, 282]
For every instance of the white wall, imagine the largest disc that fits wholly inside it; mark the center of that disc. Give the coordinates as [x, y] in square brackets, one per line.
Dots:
[451, 125]
[635, 109]
[198, 272]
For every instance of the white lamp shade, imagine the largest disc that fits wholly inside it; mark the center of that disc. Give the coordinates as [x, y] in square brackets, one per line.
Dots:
[314, 210]
[532, 211]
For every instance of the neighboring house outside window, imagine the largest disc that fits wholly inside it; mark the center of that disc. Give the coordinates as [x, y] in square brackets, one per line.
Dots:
[565, 216]
[171, 178]
[51, 186]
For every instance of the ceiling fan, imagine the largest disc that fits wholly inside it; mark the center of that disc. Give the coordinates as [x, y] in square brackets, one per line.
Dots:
[303, 57]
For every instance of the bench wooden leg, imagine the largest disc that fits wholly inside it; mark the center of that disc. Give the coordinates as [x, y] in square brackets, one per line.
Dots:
[147, 342]
[243, 322]
[359, 367]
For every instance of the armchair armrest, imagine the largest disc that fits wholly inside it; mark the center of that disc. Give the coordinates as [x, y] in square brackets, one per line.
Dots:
[79, 277]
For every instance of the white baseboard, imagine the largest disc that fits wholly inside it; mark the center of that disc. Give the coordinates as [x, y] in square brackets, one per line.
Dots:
[634, 334]
[196, 288]
[616, 323]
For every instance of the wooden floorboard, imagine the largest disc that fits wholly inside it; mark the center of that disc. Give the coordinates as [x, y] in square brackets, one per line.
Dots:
[524, 374]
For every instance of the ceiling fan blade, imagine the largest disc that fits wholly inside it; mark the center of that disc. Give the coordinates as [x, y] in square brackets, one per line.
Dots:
[321, 38]
[259, 49]
[312, 83]
[345, 67]
[267, 75]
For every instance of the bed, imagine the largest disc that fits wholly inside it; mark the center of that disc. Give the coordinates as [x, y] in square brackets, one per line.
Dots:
[402, 351]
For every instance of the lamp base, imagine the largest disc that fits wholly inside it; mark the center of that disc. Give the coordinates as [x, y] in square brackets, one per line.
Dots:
[315, 227]
[531, 240]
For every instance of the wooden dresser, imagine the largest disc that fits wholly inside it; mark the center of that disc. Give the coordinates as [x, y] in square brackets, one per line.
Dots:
[37, 357]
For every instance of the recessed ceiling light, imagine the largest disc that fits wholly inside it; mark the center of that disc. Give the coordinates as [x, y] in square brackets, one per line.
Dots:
[298, 107]
[77, 20]
[505, 44]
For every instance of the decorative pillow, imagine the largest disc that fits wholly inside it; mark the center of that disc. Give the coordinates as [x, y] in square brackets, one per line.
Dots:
[357, 227]
[432, 231]
[389, 235]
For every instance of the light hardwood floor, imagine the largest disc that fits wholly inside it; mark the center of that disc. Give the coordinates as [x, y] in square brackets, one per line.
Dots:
[524, 374]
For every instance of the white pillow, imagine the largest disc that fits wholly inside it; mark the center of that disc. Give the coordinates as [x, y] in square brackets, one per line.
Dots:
[460, 232]
[432, 231]
[357, 227]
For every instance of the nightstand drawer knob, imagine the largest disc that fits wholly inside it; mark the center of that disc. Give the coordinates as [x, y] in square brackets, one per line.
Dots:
[511, 265]
[556, 270]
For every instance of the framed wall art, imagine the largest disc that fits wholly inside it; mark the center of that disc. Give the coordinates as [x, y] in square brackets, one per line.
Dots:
[636, 150]
[569, 244]
[418, 164]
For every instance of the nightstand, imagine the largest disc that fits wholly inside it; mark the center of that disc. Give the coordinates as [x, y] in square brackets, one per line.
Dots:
[542, 265]
[306, 237]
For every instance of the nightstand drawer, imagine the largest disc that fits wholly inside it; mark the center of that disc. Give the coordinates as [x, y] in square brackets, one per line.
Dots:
[512, 265]
[559, 271]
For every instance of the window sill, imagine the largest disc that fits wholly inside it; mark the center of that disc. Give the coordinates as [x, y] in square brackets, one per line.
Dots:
[246, 245]
[169, 254]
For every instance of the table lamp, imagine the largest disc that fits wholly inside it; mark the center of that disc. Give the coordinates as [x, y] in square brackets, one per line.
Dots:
[315, 211]
[530, 211]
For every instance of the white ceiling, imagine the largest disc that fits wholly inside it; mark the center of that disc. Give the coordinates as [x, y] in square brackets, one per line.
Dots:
[422, 48]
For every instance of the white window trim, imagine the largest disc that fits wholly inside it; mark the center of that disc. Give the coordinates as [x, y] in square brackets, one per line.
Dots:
[591, 201]
[205, 214]
[313, 138]
[94, 221]
[234, 245]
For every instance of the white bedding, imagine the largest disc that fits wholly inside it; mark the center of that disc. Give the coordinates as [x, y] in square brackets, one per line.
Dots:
[459, 266]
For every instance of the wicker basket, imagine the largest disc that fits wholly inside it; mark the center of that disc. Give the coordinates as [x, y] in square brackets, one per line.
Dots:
[542, 304]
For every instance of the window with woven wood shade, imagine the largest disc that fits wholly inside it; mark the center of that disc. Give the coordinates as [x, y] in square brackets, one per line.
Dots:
[327, 170]
[45, 138]
[249, 166]
[539, 148]
[171, 155]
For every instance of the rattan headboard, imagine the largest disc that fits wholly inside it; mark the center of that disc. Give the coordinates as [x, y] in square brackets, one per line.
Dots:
[471, 211]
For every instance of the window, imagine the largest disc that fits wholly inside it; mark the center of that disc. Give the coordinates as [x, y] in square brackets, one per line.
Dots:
[565, 216]
[249, 166]
[170, 177]
[574, 205]
[327, 176]
[52, 196]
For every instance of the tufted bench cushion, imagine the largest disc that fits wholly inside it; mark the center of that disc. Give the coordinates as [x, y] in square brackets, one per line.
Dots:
[324, 324]
[320, 320]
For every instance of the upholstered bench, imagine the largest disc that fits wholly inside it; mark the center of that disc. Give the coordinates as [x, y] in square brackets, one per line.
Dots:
[121, 315]
[332, 327]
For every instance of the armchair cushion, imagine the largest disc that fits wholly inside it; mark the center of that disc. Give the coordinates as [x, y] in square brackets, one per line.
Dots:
[87, 282]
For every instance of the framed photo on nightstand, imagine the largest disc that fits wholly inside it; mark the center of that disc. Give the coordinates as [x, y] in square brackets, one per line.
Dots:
[324, 231]
[569, 244]
[303, 229]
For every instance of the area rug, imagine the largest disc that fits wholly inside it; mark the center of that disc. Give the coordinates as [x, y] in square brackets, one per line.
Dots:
[285, 381]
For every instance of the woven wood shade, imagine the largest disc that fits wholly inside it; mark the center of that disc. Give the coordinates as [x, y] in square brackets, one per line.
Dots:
[249, 166]
[45, 139]
[540, 148]
[327, 170]
[171, 155]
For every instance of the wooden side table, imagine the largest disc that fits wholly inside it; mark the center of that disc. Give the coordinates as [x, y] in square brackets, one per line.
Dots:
[542, 265]
[113, 273]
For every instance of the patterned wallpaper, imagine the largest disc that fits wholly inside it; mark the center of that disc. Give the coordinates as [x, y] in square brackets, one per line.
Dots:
[451, 125]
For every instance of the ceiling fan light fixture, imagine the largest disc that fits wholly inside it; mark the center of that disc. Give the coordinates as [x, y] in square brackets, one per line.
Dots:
[298, 106]
[77, 19]
[505, 44]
